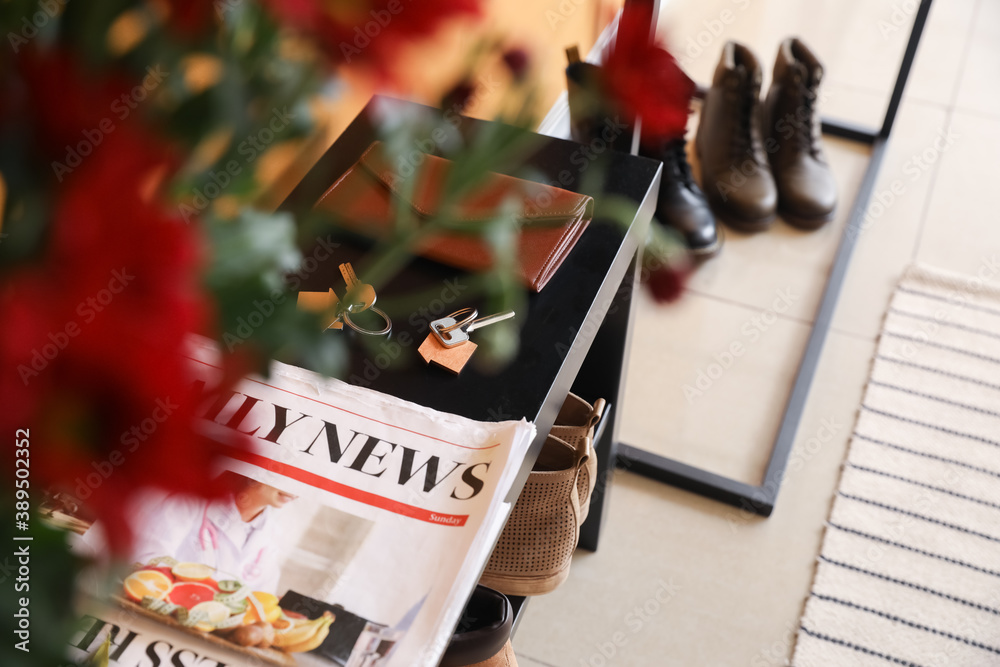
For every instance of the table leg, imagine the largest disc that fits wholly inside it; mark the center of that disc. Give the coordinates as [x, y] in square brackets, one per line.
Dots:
[602, 376]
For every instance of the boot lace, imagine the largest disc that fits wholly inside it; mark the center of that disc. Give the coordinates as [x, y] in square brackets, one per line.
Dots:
[675, 159]
[742, 139]
[805, 131]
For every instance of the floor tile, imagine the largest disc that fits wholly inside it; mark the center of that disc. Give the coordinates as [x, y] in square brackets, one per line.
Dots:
[844, 102]
[887, 235]
[680, 580]
[978, 90]
[708, 381]
[943, 45]
[525, 661]
[961, 231]
[845, 36]
[751, 268]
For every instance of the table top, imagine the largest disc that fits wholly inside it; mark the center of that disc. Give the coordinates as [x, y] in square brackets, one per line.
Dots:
[556, 327]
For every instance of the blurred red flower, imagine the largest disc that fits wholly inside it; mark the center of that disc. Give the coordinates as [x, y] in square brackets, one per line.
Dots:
[191, 18]
[94, 340]
[517, 61]
[667, 277]
[70, 107]
[646, 80]
[370, 32]
[458, 96]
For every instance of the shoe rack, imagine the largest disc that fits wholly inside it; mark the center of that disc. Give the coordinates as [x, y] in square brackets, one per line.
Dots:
[760, 499]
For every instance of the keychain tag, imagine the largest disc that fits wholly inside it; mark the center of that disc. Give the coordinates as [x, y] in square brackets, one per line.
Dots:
[324, 303]
[450, 358]
[448, 344]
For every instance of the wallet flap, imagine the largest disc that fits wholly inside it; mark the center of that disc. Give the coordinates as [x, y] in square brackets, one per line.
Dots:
[538, 202]
[551, 219]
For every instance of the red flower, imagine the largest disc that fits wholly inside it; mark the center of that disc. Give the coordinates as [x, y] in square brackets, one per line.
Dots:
[517, 61]
[70, 107]
[646, 80]
[458, 97]
[666, 284]
[191, 18]
[370, 32]
[666, 275]
[94, 340]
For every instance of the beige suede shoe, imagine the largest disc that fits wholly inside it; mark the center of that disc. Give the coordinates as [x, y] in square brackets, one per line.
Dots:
[536, 546]
[575, 425]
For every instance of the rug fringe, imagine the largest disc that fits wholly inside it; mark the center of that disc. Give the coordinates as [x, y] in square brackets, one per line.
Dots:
[951, 280]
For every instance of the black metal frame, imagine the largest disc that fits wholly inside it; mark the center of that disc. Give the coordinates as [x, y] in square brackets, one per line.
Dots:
[761, 499]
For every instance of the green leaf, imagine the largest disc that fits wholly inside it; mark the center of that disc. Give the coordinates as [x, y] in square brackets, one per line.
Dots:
[255, 247]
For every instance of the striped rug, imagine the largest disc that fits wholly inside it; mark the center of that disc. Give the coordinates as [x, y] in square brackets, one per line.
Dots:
[909, 571]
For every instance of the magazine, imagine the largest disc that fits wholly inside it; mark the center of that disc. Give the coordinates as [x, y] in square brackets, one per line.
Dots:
[351, 533]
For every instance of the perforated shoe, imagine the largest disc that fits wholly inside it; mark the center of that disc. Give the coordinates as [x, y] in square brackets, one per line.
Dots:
[575, 426]
[536, 546]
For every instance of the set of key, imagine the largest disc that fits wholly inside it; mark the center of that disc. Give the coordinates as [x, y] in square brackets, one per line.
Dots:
[336, 312]
[451, 333]
[448, 344]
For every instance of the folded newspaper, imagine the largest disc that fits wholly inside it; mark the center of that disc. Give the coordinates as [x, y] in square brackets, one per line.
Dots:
[356, 529]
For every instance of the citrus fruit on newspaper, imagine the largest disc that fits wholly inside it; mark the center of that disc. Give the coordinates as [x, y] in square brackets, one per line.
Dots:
[263, 607]
[216, 613]
[189, 594]
[144, 583]
[160, 568]
[192, 572]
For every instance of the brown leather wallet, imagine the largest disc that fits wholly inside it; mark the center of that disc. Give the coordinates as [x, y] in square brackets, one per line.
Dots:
[550, 220]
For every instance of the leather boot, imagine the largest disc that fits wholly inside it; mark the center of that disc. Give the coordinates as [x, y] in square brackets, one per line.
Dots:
[591, 117]
[681, 203]
[807, 193]
[734, 168]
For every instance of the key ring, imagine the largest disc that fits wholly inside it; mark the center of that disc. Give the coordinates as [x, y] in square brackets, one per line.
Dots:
[346, 315]
[470, 315]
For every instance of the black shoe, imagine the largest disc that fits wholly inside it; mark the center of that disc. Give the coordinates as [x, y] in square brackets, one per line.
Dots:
[681, 204]
[483, 630]
[591, 117]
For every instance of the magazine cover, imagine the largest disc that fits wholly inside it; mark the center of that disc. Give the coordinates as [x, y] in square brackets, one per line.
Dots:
[350, 534]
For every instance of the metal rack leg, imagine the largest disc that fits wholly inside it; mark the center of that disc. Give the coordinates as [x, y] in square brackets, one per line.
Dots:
[761, 499]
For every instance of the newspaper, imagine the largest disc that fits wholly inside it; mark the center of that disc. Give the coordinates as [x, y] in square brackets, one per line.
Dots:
[356, 529]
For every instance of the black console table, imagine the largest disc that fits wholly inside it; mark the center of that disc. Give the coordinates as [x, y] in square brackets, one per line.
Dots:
[574, 334]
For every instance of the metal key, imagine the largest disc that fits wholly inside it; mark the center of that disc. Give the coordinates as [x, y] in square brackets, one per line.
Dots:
[446, 328]
[486, 321]
[450, 333]
[359, 296]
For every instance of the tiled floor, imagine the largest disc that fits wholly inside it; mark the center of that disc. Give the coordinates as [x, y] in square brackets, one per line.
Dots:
[683, 581]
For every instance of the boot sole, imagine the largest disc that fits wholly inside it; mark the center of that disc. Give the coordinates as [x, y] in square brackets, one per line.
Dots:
[704, 252]
[808, 224]
[745, 224]
[526, 585]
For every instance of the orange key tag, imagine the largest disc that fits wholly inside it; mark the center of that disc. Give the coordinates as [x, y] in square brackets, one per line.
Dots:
[325, 303]
[450, 358]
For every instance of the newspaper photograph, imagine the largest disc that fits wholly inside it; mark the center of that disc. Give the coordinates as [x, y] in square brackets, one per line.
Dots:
[350, 533]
